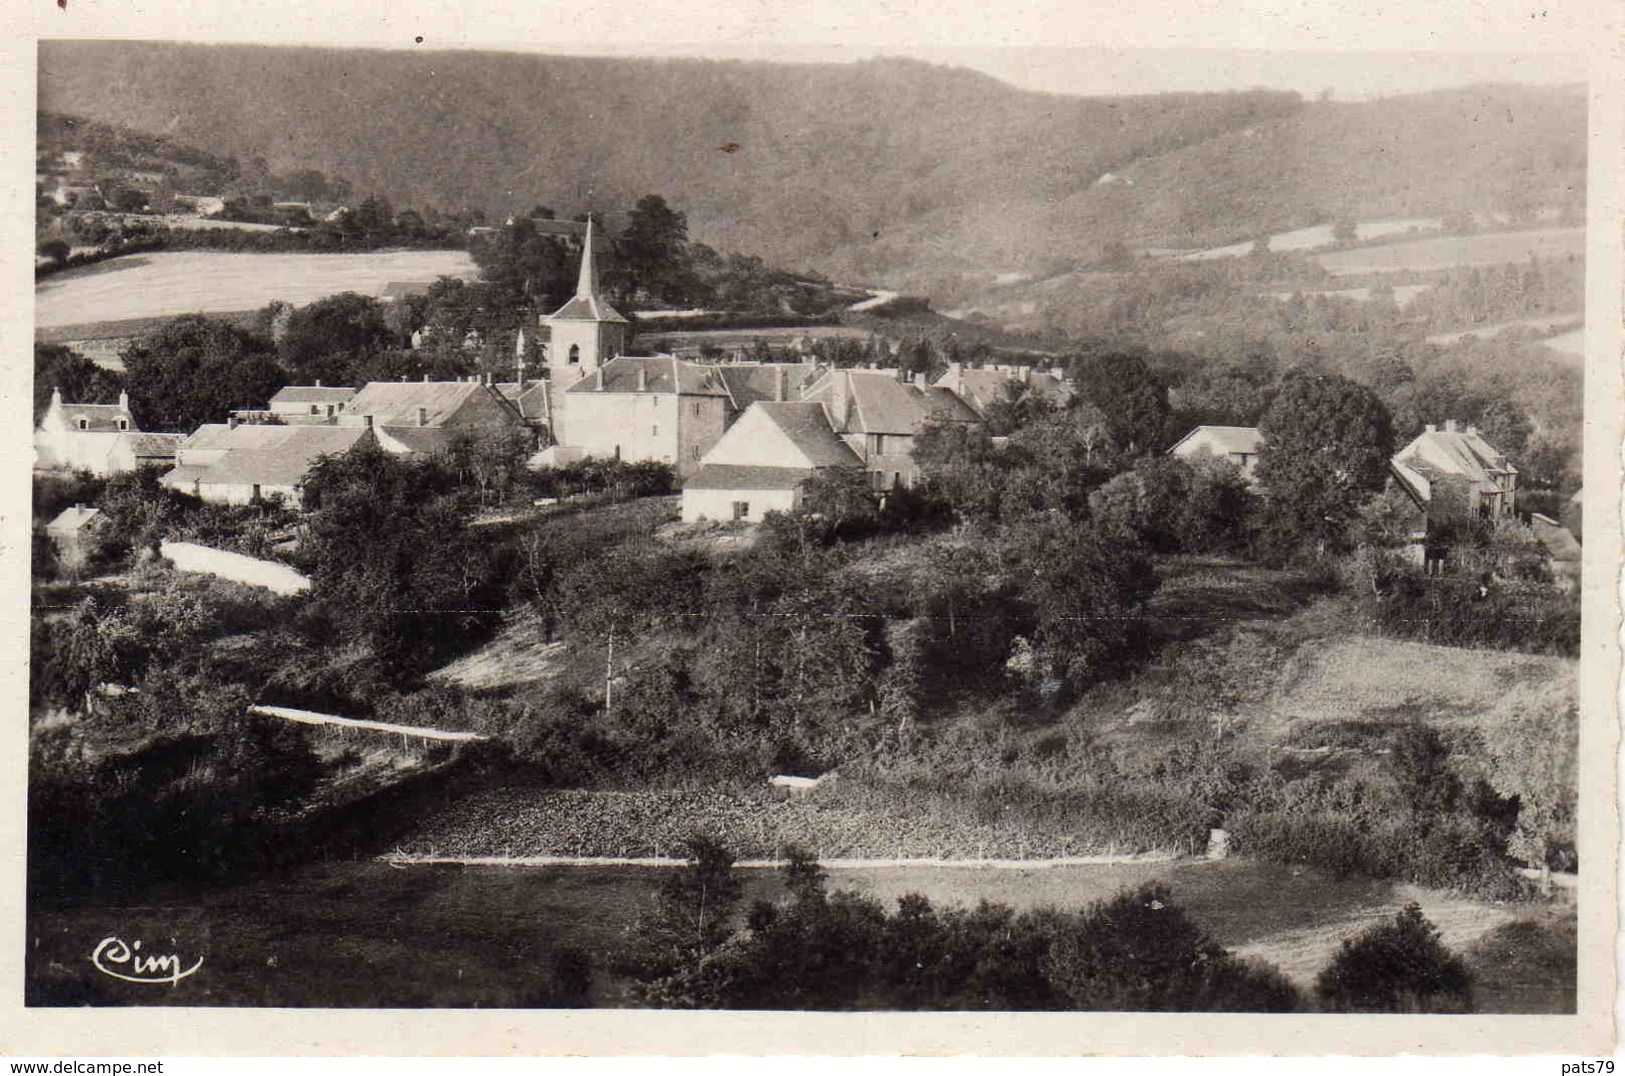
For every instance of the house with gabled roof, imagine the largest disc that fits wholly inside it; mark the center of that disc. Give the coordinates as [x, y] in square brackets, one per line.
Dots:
[1454, 476]
[761, 464]
[82, 436]
[310, 403]
[656, 408]
[239, 463]
[879, 413]
[469, 404]
[1238, 445]
[982, 387]
[133, 451]
[71, 532]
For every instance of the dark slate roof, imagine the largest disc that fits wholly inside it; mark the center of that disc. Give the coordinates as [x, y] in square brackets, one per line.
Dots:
[1559, 541]
[946, 404]
[532, 403]
[662, 373]
[749, 382]
[586, 308]
[806, 423]
[154, 445]
[735, 476]
[98, 417]
[420, 440]
[880, 403]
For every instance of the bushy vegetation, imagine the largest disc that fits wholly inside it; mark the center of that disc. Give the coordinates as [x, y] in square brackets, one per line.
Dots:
[1396, 967]
[823, 950]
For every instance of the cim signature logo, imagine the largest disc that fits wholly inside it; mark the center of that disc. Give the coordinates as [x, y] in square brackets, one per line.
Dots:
[125, 960]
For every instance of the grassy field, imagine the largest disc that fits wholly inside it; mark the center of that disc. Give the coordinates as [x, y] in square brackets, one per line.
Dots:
[365, 934]
[169, 283]
[1318, 236]
[1425, 255]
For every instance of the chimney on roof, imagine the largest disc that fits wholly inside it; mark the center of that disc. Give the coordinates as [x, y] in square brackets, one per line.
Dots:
[643, 378]
[781, 384]
[318, 382]
[1449, 425]
[1432, 428]
[598, 380]
[425, 379]
[1472, 430]
[231, 423]
[124, 399]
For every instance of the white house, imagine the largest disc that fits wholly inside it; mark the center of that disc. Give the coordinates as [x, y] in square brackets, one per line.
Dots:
[759, 465]
[81, 437]
[1234, 444]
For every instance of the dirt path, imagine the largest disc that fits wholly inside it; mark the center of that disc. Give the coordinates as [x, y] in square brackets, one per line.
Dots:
[1302, 953]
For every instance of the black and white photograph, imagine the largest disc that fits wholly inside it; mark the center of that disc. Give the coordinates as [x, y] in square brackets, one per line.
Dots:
[1066, 529]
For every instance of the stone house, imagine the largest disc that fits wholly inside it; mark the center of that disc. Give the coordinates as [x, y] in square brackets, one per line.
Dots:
[879, 413]
[760, 464]
[70, 532]
[1455, 476]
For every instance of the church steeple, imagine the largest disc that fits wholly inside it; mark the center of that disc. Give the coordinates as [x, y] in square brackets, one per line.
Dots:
[585, 332]
[588, 304]
[587, 283]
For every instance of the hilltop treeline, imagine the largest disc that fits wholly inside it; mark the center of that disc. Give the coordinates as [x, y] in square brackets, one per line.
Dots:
[866, 170]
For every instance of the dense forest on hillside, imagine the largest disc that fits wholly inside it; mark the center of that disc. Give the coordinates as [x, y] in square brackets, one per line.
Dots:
[864, 170]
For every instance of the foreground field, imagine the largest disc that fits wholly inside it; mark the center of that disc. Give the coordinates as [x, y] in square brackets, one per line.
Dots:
[1426, 255]
[170, 283]
[362, 934]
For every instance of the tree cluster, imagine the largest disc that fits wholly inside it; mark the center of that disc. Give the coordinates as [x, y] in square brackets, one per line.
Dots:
[822, 949]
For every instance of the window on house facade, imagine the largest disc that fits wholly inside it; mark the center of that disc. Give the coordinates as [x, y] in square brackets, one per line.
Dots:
[877, 444]
[123, 423]
[84, 424]
[575, 353]
[315, 410]
[741, 510]
[695, 451]
[696, 409]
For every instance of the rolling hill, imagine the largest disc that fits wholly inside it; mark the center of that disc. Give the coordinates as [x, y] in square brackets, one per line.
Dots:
[875, 170]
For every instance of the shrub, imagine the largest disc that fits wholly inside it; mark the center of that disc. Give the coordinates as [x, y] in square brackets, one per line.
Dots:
[1397, 966]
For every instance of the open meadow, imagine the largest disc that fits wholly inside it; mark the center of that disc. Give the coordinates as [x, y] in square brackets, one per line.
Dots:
[171, 283]
[1428, 255]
